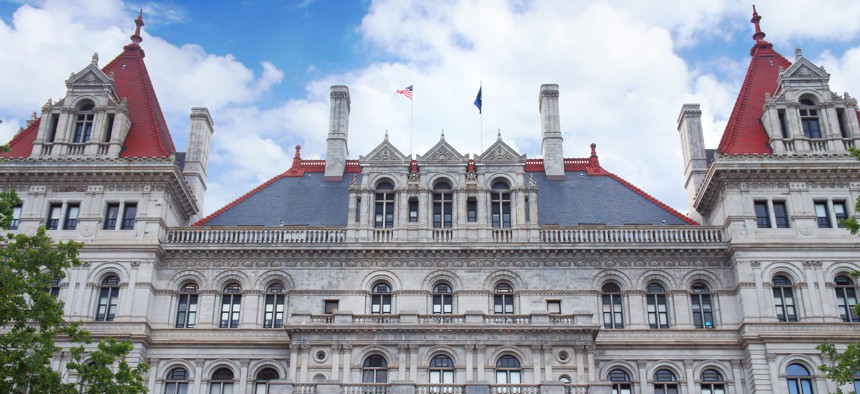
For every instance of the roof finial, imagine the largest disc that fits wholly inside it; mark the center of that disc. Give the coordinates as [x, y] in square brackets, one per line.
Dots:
[95, 59]
[499, 135]
[386, 135]
[442, 138]
[136, 38]
[798, 53]
[759, 35]
[297, 159]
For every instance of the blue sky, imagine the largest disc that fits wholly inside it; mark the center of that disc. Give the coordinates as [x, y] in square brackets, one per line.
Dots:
[264, 68]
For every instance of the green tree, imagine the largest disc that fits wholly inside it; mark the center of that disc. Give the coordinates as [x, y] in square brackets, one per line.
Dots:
[843, 367]
[106, 370]
[31, 319]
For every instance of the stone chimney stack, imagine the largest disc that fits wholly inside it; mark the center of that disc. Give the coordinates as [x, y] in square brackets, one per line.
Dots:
[550, 125]
[338, 131]
[693, 151]
[197, 156]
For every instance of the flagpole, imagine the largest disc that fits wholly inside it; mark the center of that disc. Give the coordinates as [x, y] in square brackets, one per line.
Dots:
[411, 117]
[481, 112]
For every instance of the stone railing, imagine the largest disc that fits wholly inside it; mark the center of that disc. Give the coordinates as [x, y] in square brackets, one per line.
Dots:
[254, 235]
[507, 319]
[470, 318]
[515, 389]
[366, 388]
[305, 389]
[438, 389]
[404, 387]
[441, 319]
[632, 234]
[576, 389]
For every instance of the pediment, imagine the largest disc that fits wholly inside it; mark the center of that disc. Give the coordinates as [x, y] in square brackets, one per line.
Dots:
[90, 75]
[384, 152]
[500, 152]
[805, 69]
[442, 152]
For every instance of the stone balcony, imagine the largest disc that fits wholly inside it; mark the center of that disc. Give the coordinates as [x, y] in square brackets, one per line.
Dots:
[412, 388]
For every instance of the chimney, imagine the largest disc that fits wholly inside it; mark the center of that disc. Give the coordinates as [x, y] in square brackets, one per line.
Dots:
[338, 131]
[197, 156]
[693, 151]
[550, 125]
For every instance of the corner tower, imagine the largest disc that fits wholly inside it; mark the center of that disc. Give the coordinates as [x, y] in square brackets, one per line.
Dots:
[338, 131]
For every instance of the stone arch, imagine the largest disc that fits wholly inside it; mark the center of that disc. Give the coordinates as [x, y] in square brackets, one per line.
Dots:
[260, 365]
[443, 350]
[626, 366]
[520, 354]
[181, 277]
[660, 276]
[265, 279]
[672, 366]
[166, 366]
[368, 351]
[789, 270]
[504, 276]
[720, 367]
[605, 276]
[708, 278]
[378, 179]
[442, 276]
[213, 366]
[106, 269]
[501, 176]
[437, 178]
[841, 268]
[377, 276]
[226, 277]
[806, 361]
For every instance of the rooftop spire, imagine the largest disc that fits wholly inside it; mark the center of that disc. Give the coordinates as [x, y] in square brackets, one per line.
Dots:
[136, 38]
[759, 35]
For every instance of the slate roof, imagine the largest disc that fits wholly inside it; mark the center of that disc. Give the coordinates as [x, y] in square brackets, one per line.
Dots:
[744, 132]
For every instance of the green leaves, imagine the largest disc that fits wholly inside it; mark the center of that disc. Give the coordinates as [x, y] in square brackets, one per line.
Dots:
[106, 370]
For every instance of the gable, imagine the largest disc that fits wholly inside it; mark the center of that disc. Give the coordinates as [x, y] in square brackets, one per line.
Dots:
[500, 152]
[384, 152]
[443, 152]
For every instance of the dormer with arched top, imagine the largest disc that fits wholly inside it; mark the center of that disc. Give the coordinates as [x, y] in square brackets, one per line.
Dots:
[91, 120]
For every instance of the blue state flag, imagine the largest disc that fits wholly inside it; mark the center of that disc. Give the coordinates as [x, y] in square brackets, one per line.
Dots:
[478, 100]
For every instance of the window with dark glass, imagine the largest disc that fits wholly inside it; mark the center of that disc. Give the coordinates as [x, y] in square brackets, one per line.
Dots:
[72, 211]
[780, 214]
[822, 213]
[783, 298]
[380, 299]
[374, 370]
[621, 383]
[809, 119]
[782, 128]
[16, 217]
[273, 312]
[613, 311]
[441, 370]
[129, 214]
[472, 209]
[665, 382]
[413, 210]
[84, 123]
[503, 299]
[846, 298]
[658, 310]
[442, 205]
[799, 380]
[384, 206]
[186, 308]
[111, 216]
[54, 215]
[700, 301]
[509, 370]
[261, 383]
[761, 215]
[54, 287]
[442, 301]
[840, 212]
[108, 299]
[712, 382]
[176, 381]
[500, 201]
[231, 301]
[330, 306]
[109, 129]
[221, 382]
[553, 306]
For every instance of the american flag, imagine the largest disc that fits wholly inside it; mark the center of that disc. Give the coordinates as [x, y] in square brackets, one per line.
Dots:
[407, 91]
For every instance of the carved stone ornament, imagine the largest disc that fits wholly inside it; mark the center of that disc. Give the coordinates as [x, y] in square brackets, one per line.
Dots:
[804, 71]
[500, 153]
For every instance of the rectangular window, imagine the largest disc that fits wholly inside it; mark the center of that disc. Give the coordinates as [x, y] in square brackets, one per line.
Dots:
[110, 216]
[71, 221]
[528, 215]
[843, 128]
[841, 213]
[442, 215]
[54, 215]
[413, 210]
[822, 214]
[553, 306]
[761, 215]
[55, 120]
[83, 128]
[782, 127]
[330, 306]
[109, 130]
[128, 216]
[16, 217]
[472, 209]
[809, 121]
[780, 214]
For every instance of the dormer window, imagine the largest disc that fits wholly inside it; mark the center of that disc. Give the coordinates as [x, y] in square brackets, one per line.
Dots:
[84, 122]
[809, 118]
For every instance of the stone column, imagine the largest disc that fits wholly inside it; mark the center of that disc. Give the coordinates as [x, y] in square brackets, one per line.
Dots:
[197, 385]
[251, 301]
[335, 362]
[765, 308]
[774, 374]
[580, 365]
[479, 350]
[401, 367]
[153, 374]
[536, 356]
[548, 363]
[681, 304]
[643, 379]
[305, 354]
[470, 365]
[813, 294]
[347, 357]
[691, 379]
[638, 310]
[413, 363]
[592, 377]
[737, 378]
[243, 373]
[291, 373]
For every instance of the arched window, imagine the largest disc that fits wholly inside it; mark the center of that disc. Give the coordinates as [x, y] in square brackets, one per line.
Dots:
[442, 205]
[700, 301]
[176, 381]
[186, 309]
[384, 206]
[261, 383]
[84, 122]
[809, 119]
[509, 370]
[380, 299]
[374, 370]
[565, 379]
[108, 299]
[846, 298]
[441, 370]
[442, 302]
[54, 287]
[783, 299]
[273, 312]
[799, 379]
[665, 382]
[658, 310]
[221, 382]
[712, 382]
[500, 201]
[231, 301]
[613, 312]
[503, 299]
[621, 383]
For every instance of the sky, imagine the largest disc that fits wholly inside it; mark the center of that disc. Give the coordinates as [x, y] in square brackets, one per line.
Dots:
[264, 68]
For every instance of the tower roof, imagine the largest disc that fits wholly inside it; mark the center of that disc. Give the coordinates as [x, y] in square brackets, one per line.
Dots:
[744, 132]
